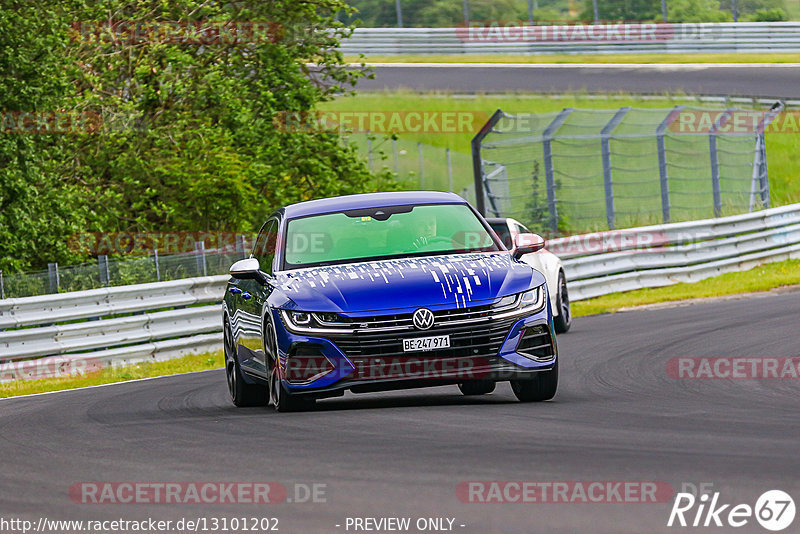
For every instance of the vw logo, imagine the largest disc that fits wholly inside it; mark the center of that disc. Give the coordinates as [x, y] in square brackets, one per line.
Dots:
[423, 318]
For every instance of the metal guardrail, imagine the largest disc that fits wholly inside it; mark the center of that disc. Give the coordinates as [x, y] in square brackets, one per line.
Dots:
[513, 38]
[150, 322]
[654, 256]
[78, 305]
[109, 326]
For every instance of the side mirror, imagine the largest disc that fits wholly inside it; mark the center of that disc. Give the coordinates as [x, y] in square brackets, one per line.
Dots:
[248, 269]
[527, 243]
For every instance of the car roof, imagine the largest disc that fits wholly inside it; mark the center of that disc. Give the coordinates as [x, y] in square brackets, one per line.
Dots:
[370, 200]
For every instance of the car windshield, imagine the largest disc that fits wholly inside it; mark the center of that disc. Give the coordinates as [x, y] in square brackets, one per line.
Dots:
[383, 233]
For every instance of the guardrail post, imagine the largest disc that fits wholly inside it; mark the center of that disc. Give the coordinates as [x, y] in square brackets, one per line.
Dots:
[52, 272]
[477, 162]
[102, 265]
[2, 287]
[764, 174]
[605, 147]
[241, 247]
[369, 152]
[760, 169]
[399, 11]
[157, 266]
[394, 156]
[421, 167]
[547, 138]
[712, 150]
[200, 256]
[494, 208]
[662, 161]
[449, 170]
[714, 159]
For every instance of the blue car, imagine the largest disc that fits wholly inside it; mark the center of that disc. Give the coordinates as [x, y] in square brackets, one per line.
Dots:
[385, 291]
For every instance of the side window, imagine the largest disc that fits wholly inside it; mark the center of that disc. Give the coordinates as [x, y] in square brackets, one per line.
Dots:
[505, 236]
[264, 249]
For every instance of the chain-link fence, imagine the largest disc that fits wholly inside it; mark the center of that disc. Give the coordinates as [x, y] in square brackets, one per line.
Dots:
[119, 272]
[586, 170]
[418, 165]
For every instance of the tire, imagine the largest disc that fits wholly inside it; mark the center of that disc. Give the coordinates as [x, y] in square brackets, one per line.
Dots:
[563, 320]
[281, 399]
[242, 394]
[477, 387]
[540, 388]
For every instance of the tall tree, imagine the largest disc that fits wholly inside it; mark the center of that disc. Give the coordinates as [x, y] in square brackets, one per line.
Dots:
[185, 136]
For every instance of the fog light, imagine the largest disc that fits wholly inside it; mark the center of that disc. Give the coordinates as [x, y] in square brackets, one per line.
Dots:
[306, 363]
[536, 343]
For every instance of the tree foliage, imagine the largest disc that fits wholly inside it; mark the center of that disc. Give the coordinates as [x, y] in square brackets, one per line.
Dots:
[186, 138]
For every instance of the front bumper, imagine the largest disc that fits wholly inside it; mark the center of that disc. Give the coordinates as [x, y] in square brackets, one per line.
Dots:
[494, 349]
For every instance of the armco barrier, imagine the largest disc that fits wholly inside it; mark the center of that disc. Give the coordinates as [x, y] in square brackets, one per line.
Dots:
[653, 256]
[158, 321]
[510, 38]
[110, 326]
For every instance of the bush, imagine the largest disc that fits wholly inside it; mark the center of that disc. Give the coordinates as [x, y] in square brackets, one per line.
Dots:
[769, 15]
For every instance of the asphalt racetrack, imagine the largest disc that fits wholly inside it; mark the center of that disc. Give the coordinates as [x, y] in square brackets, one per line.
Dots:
[759, 80]
[618, 416]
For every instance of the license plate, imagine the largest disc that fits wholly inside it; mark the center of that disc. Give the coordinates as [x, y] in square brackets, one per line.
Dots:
[426, 343]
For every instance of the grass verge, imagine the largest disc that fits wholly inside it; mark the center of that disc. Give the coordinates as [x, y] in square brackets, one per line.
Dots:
[762, 278]
[583, 58]
[186, 364]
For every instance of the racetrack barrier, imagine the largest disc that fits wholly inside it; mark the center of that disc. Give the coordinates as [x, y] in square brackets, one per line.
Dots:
[515, 37]
[109, 326]
[158, 321]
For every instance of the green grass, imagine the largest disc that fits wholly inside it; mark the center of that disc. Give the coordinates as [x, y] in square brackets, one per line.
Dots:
[186, 364]
[584, 58]
[763, 278]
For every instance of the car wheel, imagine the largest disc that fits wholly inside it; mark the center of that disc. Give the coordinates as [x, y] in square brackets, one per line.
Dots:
[281, 399]
[563, 320]
[541, 387]
[242, 393]
[476, 387]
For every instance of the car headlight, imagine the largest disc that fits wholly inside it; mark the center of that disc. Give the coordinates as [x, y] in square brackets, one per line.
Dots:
[530, 298]
[528, 301]
[300, 318]
[303, 321]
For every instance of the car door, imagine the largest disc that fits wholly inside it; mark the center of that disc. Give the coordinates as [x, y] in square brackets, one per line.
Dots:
[251, 302]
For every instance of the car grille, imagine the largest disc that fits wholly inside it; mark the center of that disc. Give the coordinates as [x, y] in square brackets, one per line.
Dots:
[472, 335]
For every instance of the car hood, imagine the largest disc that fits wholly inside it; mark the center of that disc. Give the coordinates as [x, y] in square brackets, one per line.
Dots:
[455, 280]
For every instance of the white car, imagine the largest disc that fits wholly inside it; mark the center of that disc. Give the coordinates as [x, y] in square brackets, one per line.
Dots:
[546, 263]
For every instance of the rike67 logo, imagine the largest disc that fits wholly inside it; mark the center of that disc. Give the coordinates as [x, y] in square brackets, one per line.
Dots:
[774, 510]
